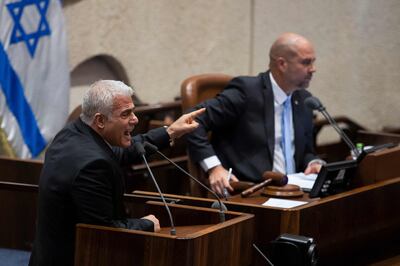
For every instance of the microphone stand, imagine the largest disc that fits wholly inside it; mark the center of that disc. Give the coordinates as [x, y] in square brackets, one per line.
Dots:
[221, 205]
[315, 104]
[173, 230]
[338, 130]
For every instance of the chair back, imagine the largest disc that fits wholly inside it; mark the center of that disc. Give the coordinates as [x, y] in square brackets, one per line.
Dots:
[195, 90]
[199, 88]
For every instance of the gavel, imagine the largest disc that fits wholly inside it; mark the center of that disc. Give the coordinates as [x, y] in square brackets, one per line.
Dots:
[273, 178]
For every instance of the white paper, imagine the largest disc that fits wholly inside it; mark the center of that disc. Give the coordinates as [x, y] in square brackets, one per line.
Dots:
[283, 203]
[302, 180]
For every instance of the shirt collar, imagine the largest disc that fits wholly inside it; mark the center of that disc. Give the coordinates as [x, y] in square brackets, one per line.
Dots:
[279, 95]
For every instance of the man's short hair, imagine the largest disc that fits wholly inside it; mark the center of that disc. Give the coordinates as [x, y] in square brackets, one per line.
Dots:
[100, 98]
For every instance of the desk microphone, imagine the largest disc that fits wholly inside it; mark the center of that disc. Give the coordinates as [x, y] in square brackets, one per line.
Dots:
[315, 104]
[216, 205]
[140, 149]
[273, 178]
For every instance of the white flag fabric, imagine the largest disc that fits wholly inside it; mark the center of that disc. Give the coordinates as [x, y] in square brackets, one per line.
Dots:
[34, 73]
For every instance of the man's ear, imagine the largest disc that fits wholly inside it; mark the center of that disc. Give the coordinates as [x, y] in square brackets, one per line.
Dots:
[281, 63]
[99, 120]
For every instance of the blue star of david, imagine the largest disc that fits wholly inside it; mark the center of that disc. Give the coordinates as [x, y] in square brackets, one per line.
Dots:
[18, 33]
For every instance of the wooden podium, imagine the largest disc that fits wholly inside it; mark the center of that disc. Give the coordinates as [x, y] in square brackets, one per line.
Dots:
[360, 224]
[378, 166]
[201, 239]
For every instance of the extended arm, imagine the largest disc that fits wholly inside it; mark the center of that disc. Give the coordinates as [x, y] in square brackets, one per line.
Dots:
[221, 112]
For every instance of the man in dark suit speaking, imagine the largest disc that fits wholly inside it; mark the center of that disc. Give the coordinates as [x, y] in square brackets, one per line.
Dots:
[260, 123]
[81, 180]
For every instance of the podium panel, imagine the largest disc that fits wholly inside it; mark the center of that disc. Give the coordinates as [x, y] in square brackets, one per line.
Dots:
[18, 204]
[201, 239]
[378, 166]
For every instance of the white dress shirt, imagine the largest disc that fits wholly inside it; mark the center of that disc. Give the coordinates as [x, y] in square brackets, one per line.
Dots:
[280, 97]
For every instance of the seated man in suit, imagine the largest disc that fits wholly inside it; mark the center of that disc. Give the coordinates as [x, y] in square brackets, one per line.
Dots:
[81, 180]
[260, 123]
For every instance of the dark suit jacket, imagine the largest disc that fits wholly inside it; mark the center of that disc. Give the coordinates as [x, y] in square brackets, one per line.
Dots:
[82, 182]
[241, 119]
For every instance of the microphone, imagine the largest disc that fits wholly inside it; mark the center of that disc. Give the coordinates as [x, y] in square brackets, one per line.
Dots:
[315, 104]
[216, 205]
[140, 149]
[273, 178]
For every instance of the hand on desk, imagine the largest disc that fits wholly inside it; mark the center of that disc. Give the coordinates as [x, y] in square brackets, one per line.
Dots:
[218, 180]
[313, 168]
[155, 221]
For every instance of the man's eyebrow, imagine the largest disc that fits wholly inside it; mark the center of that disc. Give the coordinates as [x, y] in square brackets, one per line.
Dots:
[128, 110]
[308, 60]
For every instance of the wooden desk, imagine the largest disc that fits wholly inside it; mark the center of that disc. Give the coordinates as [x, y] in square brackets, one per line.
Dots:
[19, 170]
[378, 166]
[18, 215]
[356, 221]
[201, 240]
[197, 242]
[136, 176]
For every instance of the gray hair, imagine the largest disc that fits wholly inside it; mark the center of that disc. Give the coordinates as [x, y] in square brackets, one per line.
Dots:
[100, 98]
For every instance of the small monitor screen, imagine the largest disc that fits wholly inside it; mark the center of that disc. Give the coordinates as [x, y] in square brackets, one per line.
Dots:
[334, 178]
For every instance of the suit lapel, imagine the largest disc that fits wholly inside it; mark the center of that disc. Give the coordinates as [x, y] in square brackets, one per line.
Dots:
[298, 127]
[269, 113]
[118, 177]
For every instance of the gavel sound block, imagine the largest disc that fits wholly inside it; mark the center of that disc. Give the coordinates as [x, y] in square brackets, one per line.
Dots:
[286, 191]
[279, 186]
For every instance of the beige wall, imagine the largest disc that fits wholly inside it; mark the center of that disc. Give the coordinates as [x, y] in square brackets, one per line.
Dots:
[358, 52]
[162, 42]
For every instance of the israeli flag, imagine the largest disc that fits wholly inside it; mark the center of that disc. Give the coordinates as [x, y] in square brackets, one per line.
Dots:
[34, 74]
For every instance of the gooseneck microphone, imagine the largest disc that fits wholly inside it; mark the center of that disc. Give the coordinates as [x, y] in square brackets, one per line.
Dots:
[273, 178]
[140, 149]
[216, 205]
[315, 104]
